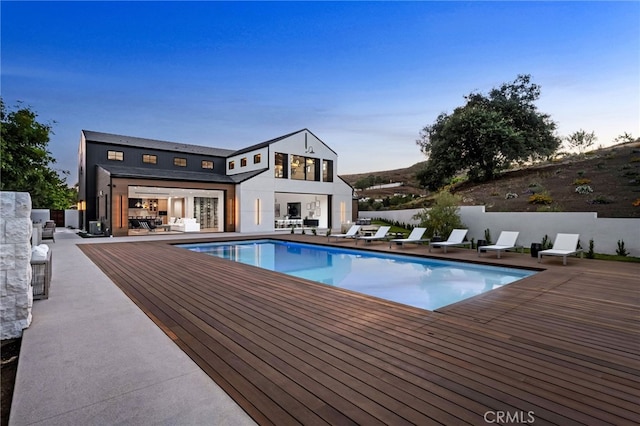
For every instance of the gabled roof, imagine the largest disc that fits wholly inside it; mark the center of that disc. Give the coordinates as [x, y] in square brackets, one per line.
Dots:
[271, 141]
[155, 144]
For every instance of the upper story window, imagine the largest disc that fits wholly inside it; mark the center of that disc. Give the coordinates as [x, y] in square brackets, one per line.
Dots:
[232, 165]
[243, 162]
[115, 155]
[180, 162]
[304, 168]
[207, 164]
[327, 170]
[281, 169]
[150, 159]
[257, 158]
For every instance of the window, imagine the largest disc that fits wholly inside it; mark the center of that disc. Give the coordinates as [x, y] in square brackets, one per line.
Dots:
[281, 169]
[303, 168]
[327, 170]
[257, 158]
[243, 162]
[115, 155]
[148, 158]
[312, 169]
[232, 165]
[180, 162]
[297, 167]
[207, 164]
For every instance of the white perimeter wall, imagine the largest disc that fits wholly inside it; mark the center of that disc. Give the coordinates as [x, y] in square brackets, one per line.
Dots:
[605, 232]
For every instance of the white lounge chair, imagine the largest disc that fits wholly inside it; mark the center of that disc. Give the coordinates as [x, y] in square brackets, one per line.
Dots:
[564, 245]
[351, 233]
[414, 237]
[380, 234]
[506, 241]
[456, 239]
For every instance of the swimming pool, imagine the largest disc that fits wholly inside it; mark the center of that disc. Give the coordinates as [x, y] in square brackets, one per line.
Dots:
[420, 282]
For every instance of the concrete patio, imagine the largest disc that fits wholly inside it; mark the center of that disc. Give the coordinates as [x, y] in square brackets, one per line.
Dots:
[91, 357]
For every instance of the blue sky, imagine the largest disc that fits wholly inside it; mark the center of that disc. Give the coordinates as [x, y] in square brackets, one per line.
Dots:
[365, 77]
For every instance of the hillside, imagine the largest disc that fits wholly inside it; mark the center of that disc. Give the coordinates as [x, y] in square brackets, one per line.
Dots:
[613, 174]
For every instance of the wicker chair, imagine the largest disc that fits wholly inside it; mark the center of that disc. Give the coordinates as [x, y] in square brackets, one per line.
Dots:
[49, 231]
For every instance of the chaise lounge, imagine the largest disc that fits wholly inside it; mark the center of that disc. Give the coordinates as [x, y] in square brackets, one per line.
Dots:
[456, 239]
[414, 237]
[351, 233]
[506, 241]
[381, 234]
[564, 245]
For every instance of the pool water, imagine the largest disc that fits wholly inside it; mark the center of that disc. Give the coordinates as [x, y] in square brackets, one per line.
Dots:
[420, 282]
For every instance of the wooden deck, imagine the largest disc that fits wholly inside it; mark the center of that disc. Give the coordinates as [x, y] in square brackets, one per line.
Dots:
[560, 347]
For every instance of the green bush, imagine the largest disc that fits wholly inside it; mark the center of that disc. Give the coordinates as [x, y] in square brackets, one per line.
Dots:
[590, 253]
[443, 216]
[621, 251]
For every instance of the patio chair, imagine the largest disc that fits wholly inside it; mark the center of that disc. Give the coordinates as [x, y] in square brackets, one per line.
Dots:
[506, 241]
[380, 234]
[564, 245]
[414, 237]
[456, 239]
[49, 231]
[351, 233]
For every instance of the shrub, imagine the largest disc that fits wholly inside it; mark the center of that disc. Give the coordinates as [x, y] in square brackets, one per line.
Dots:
[510, 195]
[546, 242]
[487, 236]
[600, 199]
[582, 181]
[443, 217]
[535, 188]
[621, 251]
[590, 253]
[581, 173]
[584, 189]
[543, 198]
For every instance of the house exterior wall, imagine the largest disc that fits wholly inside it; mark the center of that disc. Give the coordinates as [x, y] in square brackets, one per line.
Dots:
[95, 153]
[257, 197]
[120, 200]
[249, 206]
[250, 157]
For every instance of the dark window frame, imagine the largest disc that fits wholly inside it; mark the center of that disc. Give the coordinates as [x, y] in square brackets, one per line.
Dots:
[177, 161]
[115, 155]
[147, 157]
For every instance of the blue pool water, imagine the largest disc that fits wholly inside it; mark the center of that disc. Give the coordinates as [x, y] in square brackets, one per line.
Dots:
[423, 283]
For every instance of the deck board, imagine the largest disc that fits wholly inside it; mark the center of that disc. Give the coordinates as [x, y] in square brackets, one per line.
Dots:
[564, 343]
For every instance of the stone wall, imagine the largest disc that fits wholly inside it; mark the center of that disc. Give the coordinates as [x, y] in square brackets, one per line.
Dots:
[16, 295]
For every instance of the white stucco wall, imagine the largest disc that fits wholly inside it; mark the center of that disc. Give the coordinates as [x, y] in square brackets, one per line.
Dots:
[265, 187]
[40, 215]
[605, 232]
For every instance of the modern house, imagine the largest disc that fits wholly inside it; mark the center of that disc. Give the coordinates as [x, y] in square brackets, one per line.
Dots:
[128, 184]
